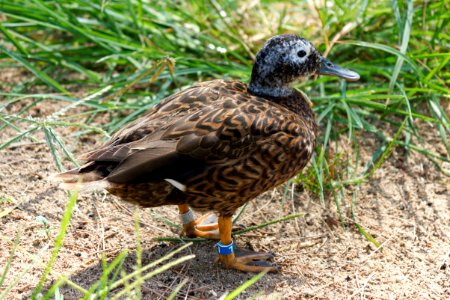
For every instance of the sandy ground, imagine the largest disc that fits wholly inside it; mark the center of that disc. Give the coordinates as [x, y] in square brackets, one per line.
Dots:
[405, 205]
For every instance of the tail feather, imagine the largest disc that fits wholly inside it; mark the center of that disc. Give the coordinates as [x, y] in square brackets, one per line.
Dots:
[84, 178]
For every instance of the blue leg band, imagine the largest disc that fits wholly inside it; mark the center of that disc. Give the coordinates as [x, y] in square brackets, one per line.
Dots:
[225, 249]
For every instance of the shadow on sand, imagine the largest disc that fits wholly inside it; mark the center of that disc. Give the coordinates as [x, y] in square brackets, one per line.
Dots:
[206, 280]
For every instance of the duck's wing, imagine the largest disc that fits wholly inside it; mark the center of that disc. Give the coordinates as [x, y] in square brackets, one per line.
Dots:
[230, 130]
[171, 109]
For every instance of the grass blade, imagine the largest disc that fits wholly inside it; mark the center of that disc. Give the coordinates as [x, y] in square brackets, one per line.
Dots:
[367, 235]
[403, 47]
[58, 242]
[386, 49]
[10, 259]
[245, 286]
[39, 74]
[177, 289]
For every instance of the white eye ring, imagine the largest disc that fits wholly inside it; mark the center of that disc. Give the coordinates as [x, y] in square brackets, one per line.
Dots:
[301, 53]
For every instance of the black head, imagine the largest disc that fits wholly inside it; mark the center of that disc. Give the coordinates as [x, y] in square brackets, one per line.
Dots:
[285, 58]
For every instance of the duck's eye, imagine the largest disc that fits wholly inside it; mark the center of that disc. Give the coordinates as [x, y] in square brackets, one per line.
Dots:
[301, 53]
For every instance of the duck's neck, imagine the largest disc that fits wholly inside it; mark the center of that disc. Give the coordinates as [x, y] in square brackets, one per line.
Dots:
[272, 90]
[294, 100]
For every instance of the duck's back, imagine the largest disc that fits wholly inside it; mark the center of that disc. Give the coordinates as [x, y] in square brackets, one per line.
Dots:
[213, 146]
[177, 106]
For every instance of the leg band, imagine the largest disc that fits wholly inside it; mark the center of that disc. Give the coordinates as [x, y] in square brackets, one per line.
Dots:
[187, 217]
[225, 249]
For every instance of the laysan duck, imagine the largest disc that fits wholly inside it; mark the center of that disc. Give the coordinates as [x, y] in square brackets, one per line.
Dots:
[217, 145]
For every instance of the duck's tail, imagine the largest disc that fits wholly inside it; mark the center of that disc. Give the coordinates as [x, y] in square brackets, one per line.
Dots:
[85, 178]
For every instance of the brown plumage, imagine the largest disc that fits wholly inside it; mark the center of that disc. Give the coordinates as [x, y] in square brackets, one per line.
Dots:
[218, 144]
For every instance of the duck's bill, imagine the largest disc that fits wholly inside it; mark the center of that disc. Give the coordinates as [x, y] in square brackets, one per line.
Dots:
[328, 68]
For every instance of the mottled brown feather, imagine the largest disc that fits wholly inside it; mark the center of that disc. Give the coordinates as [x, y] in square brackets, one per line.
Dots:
[223, 143]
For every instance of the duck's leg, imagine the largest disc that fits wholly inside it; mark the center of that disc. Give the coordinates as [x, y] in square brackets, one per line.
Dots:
[206, 226]
[243, 260]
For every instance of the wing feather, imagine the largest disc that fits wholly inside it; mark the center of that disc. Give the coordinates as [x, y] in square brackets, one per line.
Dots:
[181, 143]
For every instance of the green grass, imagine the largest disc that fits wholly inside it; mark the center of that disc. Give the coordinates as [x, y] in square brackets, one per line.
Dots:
[113, 276]
[125, 56]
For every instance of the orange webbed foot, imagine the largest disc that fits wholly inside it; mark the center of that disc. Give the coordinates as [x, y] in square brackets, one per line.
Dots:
[231, 257]
[204, 227]
[247, 261]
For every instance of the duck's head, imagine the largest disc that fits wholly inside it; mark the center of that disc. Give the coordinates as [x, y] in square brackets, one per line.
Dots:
[285, 58]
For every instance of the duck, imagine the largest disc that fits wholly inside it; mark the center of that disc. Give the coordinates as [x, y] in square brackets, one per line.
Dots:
[216, 145]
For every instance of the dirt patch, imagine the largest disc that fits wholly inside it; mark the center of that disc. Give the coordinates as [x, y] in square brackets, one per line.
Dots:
[405, 205]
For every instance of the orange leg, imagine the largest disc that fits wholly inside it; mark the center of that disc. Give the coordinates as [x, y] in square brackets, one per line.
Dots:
[195, 227]
[244, 260]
